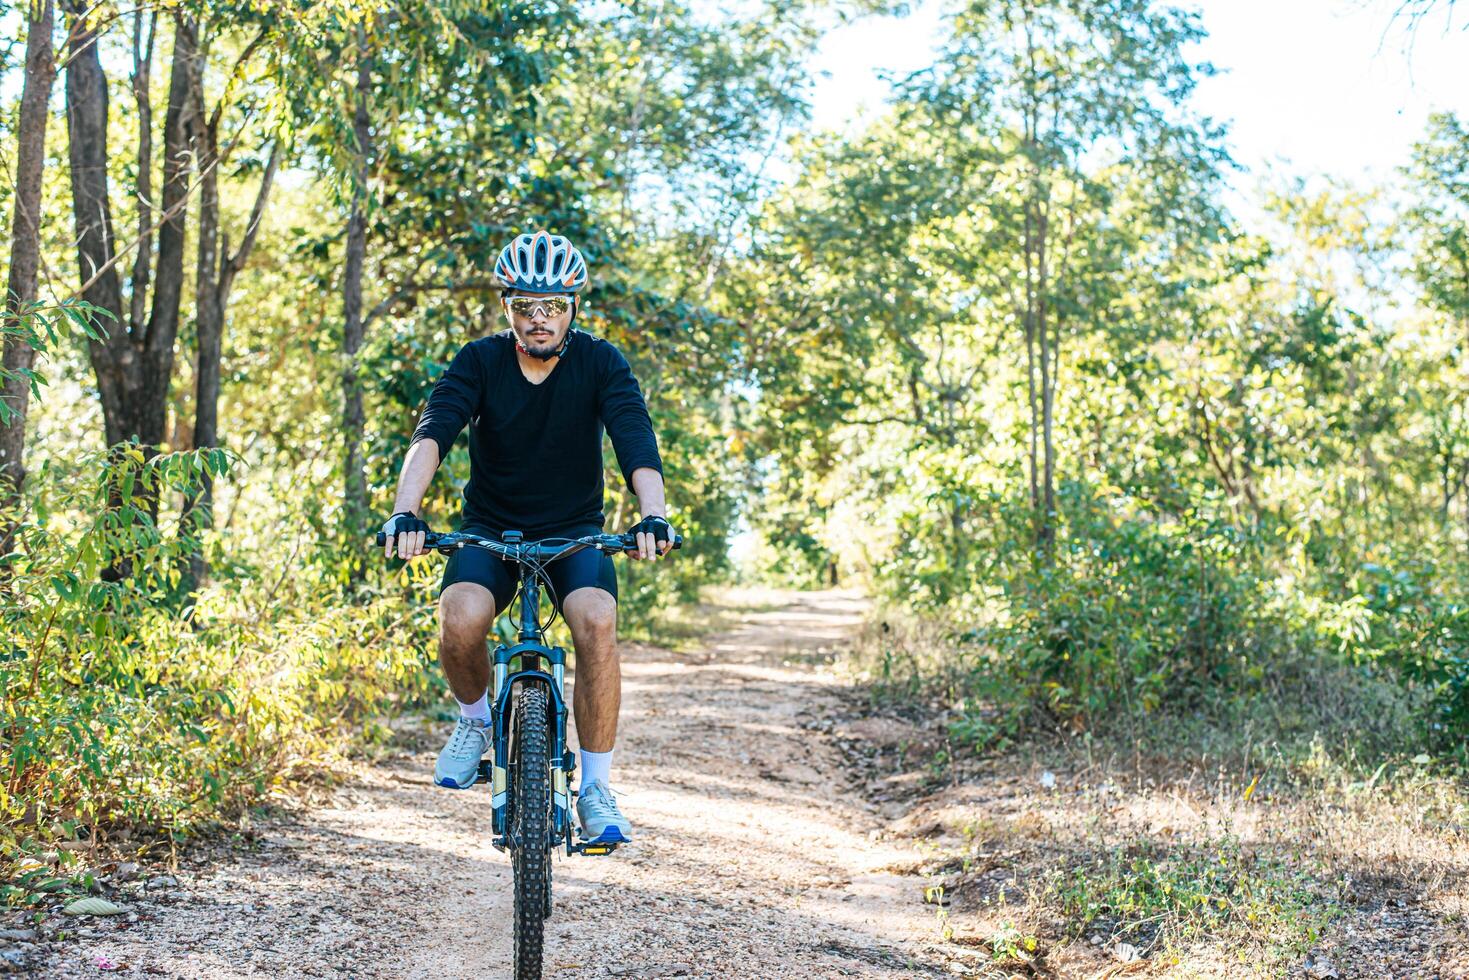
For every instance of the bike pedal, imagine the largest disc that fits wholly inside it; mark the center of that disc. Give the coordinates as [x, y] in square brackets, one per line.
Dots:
[486, 771]
[595, 850]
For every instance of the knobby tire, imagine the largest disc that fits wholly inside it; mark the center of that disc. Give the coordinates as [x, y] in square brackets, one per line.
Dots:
[531, 828]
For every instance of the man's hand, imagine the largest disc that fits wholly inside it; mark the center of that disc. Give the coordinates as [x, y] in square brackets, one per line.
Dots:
[404, 532]
[655, 537]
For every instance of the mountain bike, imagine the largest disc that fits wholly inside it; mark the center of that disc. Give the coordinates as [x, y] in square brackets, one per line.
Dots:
[531, 768]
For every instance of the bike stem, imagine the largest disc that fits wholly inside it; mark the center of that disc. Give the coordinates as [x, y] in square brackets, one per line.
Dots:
[530, 603]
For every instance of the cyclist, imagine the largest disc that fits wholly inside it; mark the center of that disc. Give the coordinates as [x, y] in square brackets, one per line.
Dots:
[536, 399]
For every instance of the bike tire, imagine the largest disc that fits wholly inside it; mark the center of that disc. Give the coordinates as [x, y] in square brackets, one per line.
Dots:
[530, 829]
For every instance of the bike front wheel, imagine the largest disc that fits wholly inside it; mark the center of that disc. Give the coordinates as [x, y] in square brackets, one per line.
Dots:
[530, 826]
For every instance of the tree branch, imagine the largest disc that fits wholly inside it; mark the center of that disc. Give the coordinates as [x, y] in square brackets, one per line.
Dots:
[235, 262]
[403, 292]
[127, 247]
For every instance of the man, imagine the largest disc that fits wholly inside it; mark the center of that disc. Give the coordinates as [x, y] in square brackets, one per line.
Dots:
[536, 398]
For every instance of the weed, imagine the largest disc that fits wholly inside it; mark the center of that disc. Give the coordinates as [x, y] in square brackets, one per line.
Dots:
[1165, 897]
[1010, 944]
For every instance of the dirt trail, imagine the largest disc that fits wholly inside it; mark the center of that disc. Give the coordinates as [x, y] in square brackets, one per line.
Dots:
[751, 859]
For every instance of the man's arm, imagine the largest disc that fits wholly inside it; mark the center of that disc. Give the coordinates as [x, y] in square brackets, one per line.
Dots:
[418, 470]
[625, 416]
[450, 406]
[647, 484]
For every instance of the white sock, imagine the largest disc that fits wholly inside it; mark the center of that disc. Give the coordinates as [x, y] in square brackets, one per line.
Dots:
[595, 766]
[478, 711]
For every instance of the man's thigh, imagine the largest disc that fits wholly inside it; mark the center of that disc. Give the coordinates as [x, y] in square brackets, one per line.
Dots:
[586, 569]
[476, 566]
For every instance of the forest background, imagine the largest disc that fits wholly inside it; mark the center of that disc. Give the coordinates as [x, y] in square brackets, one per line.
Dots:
[1108, 456]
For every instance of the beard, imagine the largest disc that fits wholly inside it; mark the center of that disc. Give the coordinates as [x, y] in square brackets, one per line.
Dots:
[539, 343]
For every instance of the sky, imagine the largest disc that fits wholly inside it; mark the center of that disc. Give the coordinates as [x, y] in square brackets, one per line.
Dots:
[1308, 86]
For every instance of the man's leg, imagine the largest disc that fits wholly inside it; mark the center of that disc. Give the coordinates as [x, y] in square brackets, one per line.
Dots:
[592, 615]
[466, 612]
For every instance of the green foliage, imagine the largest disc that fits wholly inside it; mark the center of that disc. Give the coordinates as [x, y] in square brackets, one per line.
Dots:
[1409, 621]
[120, 710]
[1133, 617]
[1129, 612]
[41, 326]
[1020, 371]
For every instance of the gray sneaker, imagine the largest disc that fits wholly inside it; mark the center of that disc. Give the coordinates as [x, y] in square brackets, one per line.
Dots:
[601, 821]
[458, 765]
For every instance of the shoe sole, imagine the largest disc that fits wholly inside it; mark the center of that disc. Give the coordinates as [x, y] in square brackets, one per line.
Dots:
[448, 783]
[609, 836]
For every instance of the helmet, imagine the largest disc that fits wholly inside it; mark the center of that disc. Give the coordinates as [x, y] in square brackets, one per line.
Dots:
[541, 262]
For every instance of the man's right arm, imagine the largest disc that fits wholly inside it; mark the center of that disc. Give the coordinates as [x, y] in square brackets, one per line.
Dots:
[418, 470]
[451, 404]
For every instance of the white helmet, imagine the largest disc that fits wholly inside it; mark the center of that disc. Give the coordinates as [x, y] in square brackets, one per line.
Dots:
[540, 262]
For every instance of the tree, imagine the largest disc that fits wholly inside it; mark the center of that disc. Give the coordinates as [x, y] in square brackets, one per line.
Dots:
[1042, 188]
[25, 258]
[134, 361]
[1072, 95]
[1439, 225]
[216, 264]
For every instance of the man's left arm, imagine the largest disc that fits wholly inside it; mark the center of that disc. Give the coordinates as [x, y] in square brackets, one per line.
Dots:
[656, 541]
[625, 417]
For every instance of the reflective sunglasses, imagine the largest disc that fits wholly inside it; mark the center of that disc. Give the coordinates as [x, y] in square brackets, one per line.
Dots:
[526, 306]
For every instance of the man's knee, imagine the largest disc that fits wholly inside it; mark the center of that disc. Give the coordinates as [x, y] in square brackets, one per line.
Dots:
[592, 614]
[466, 612]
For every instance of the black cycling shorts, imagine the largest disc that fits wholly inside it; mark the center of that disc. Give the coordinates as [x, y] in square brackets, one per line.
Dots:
[587, 568]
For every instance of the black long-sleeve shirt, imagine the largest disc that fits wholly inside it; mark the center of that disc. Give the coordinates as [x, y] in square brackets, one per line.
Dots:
[535, 450]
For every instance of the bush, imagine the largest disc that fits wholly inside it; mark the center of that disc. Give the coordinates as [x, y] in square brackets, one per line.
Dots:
[124, 705]
[1133, 614]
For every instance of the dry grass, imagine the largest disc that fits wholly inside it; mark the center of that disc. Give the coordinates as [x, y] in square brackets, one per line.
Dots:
[1053, 857]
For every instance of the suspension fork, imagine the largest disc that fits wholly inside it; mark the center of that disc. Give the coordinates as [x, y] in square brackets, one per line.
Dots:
[530, 660]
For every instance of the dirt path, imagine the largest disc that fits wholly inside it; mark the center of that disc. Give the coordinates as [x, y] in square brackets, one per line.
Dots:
[751, 860]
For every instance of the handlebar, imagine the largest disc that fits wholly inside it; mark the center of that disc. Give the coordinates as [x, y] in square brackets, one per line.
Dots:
[539, 551]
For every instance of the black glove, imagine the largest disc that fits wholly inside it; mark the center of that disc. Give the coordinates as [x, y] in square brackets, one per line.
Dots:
[403, 522]
[661, 531]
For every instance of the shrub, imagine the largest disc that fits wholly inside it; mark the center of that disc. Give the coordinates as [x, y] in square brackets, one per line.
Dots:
[1133, 613]
[125, 705]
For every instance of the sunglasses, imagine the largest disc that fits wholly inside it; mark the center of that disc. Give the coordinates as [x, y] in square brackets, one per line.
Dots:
[526, 306]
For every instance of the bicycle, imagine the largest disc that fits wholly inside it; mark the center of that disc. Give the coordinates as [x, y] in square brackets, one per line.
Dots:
[531, 767]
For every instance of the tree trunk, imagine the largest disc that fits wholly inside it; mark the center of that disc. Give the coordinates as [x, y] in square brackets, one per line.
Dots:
[143, 95]
[133, 366]
[353, 419]
[208, 327]
[215, 276]
[168, 280]
[25, 258]
[113, 359]
[1047, 344]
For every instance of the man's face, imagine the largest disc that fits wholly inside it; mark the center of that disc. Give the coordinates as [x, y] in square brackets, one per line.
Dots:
[536, 328]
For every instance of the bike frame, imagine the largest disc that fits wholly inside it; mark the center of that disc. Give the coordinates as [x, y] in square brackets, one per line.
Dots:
[530, 661]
